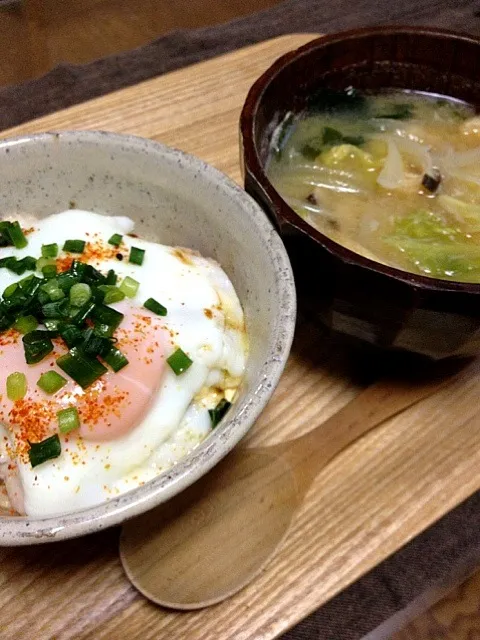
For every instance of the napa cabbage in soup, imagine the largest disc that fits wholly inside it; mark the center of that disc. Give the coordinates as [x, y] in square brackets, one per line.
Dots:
[394, 177]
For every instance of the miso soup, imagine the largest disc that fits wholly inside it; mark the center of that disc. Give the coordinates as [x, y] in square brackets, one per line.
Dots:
[394, 177]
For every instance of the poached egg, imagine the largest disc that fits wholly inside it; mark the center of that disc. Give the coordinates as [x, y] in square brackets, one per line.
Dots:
[138, 421]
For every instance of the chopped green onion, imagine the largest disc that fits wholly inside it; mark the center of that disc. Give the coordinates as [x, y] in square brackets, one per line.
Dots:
[106, 320]
[83, 312]
[155, 307]
[10, 290]
[22, 298]
[37, 344]
[52, 289]
[47, 266]
[6, 320]
[86, 273]
[111, 293]
[111, 277]
[129, 286]
[16, 235]
[66, 281]
[20, 266]
[25, 324]
[74, 246]
[136, 255]
[49, 285]
[56, 295]
[94, 345]
[5, 262]
[46, 450]
[80, 293]
[104, 330]
[220, 410]
[77, 268]
[42, 262]
[25, 283]
[4, 237]
[50, 250]
[51, 382]
[63, 302]
[71, 335]
[115, 359]
[49, 271]
[16, 386]
[93, 277]
[43, 297]
[179, 362]
[80, 367]
[68, 419]
[57, 309]
[53, 326]
[116, 240]
[28, 262]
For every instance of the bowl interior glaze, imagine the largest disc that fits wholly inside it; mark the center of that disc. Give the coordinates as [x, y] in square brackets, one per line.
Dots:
[174, 199]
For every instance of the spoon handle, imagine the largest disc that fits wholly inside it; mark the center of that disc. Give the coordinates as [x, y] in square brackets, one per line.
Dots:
[309, 453]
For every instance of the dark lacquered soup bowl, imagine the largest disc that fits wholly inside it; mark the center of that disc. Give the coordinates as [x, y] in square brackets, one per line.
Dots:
[351, 294]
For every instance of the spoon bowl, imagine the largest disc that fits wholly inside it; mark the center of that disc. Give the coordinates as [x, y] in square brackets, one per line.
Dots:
[214, 538]
[201, 529]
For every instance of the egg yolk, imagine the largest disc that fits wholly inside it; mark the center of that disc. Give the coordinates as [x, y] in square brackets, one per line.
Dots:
[109, 408]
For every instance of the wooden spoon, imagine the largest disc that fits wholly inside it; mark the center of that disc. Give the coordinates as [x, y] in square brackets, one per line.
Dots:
[210, 541]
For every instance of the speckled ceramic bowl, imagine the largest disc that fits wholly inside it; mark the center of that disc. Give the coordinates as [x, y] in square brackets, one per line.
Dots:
[352, 295]
[175, 199]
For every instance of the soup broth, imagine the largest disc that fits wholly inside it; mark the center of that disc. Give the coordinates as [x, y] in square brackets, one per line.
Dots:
[394, 177]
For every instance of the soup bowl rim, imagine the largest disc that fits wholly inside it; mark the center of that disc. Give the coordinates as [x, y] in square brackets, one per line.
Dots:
[256, 168]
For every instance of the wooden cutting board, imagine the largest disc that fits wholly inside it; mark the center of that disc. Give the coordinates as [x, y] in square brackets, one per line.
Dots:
[370, 501]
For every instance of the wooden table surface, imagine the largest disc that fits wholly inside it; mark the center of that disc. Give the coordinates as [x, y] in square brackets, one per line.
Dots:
[370, 501]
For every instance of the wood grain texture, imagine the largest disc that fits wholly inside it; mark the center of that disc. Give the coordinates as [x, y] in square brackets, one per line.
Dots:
[372, 499]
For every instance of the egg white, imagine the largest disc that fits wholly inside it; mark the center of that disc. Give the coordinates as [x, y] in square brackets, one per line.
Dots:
[88, 473]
